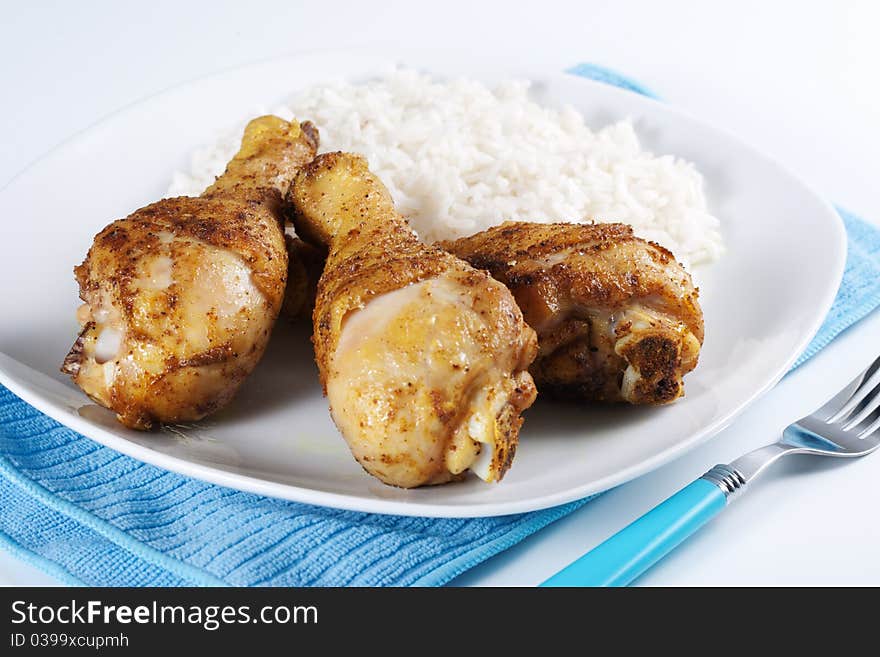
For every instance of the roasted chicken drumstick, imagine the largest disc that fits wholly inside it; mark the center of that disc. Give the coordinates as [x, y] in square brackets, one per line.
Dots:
[423, 358]
[180, 296]
[617, 317]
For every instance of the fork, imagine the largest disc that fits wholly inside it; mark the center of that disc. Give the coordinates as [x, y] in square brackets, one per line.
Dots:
[848, 425]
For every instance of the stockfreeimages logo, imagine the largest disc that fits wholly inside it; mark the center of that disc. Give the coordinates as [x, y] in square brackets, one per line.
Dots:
[210, 617]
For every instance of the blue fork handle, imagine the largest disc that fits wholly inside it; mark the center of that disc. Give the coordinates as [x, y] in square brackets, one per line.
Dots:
[637, 547]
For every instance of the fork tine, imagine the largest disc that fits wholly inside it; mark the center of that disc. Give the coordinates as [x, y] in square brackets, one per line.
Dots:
[829, 408]
[864, 387]
[873, 403]
[871, 428]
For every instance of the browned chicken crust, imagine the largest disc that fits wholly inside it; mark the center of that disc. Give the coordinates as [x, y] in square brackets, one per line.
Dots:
[181, 295]
[617, 317]
[423, 357]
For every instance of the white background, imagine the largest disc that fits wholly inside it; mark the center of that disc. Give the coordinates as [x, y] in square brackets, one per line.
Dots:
[796, 79]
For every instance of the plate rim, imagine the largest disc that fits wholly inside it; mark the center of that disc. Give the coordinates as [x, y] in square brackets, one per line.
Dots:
[305, 495]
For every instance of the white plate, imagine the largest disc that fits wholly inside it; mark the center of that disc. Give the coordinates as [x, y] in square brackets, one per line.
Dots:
[763, 300]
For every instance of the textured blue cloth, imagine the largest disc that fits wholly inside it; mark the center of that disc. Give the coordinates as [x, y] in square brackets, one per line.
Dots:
[89, 515]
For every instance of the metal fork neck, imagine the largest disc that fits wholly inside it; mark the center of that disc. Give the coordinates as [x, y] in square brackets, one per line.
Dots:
[727, 478]
[733, 477]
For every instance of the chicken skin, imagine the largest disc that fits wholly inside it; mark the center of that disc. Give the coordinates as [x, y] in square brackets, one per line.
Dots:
[181, 296]
[617, 317]
[423, 358]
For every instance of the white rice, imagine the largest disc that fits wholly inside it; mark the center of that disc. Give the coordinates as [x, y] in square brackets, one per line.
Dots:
[459, 157]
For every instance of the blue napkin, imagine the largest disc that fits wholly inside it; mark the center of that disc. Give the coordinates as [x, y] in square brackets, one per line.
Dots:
[89, 515]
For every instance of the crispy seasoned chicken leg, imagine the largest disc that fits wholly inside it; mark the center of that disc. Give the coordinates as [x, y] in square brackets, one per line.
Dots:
[180, 296]
[422, 357]
[617, 317]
